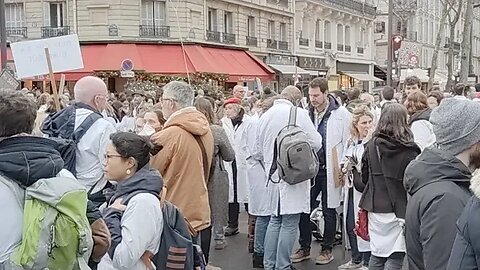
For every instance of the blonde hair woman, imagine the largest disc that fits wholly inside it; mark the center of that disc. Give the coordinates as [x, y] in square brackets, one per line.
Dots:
[360, 132]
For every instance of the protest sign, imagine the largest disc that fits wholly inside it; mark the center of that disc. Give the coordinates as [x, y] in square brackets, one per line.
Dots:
[30, 59]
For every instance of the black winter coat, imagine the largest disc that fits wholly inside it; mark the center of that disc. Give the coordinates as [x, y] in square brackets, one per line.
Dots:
[437, 183]
[465, 253]
[383, 166]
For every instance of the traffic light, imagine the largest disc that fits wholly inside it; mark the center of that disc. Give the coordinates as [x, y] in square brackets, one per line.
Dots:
[396, 45]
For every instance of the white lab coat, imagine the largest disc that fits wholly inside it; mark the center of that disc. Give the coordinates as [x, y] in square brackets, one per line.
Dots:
[91, 148]
[258, 203]
[354, 150]
[423, 133]
[236, 137]
[142, 227]
[338, 133]
[284, 198]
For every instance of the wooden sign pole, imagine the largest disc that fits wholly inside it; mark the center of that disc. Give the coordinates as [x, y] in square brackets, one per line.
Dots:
[52, 80]
[62, 84]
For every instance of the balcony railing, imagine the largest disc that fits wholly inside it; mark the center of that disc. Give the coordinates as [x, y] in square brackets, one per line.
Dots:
[252, 41]
[229, 38]
[328, 45]
[283, 45]
[48, 31]
[154, 31]
[340, 47]
[318, 44]
[213, 36]
[348, 48]
[17, 31]
[272, 44]
[360, 50]
[303, 42]
[354, 5]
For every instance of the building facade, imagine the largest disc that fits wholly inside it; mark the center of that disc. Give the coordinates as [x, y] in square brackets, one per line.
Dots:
[335, 38]
[263, 27]
[418, 22]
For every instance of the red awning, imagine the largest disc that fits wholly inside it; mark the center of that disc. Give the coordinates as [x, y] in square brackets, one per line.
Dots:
[239, 65]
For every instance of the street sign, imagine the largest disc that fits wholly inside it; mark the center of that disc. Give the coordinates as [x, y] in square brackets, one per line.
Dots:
[127, 65]
[127, 74]
[8, 81]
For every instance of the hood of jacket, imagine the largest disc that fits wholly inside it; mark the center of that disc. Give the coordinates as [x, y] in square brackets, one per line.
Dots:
[421, 115]
[190, 120]
[434, 165]
[62, 123]
[393, 153]
[145, 180]
[26, 159]
[332, 106]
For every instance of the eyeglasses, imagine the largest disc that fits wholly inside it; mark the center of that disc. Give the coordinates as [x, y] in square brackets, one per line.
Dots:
[107, 156]
[170, 99]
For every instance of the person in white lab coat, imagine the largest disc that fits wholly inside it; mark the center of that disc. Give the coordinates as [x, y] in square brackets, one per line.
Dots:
[287, 201]
[133, 214]
[361, 130]
[235, 124]
[332, 122]
[258, 203]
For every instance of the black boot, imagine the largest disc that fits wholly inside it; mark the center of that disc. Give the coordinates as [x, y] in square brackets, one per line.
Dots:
[257, 260]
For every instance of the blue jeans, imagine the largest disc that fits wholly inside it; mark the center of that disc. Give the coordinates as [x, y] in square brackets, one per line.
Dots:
[279, 241]
[261, 226]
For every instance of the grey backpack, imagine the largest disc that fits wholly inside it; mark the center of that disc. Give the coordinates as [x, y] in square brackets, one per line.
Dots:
[293, 156]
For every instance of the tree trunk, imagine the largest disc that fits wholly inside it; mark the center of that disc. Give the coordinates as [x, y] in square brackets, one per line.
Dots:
[466, 43]
[448, 87]
[438, 42]
[453, 22]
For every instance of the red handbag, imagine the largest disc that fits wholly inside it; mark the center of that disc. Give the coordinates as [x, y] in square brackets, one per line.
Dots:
[361, 228]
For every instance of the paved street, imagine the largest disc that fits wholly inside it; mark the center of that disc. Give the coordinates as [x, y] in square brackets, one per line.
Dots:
[236, 256]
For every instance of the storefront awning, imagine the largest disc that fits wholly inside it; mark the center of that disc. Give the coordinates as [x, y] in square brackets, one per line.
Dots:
[290, 70]
[363, 77]
[172, 59]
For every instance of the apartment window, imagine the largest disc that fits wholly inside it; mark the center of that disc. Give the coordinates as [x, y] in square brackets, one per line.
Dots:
[318, 30]
[327, 32]
[14, 15]
[154, 13]
[271, 30]
[54, 14]
[227, 22]
[251, 26]
[340, 34]
[380, 28]
[347, 36]
[212, 19]
[283, 32]
[304, 33]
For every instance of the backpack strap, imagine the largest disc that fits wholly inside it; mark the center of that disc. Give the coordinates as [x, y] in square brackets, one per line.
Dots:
[206, 170]
[85, 126]
[292, 119]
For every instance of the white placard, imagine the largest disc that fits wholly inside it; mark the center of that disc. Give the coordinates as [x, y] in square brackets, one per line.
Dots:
[30, 59]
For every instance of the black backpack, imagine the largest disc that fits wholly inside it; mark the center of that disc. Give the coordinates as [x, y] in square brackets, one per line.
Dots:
[60, 127]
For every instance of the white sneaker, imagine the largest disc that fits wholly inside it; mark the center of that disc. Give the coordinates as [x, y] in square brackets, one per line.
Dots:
[350, 265]
[211, 267]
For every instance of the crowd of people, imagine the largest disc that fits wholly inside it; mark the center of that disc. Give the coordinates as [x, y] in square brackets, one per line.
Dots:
[393, 176]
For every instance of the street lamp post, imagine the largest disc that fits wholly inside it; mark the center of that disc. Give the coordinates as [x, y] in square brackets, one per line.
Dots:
[389, 40]
[3, 36]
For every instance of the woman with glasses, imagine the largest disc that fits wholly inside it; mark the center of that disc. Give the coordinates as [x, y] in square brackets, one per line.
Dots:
[133, 214]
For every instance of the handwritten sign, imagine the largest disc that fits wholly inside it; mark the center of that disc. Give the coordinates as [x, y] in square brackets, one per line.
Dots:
[30, 59]
[7, 81]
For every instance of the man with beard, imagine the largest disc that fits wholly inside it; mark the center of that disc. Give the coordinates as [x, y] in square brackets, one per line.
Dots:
[438, 182]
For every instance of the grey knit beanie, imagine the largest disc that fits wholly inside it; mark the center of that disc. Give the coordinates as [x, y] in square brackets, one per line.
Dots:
[456, 124]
